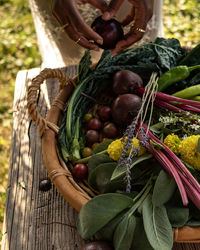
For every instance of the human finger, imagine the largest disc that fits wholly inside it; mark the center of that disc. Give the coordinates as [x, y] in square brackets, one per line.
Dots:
[79, 39]
[112, 9]
[131, 38]
[99, 4]
[67, 12]
[141, 17]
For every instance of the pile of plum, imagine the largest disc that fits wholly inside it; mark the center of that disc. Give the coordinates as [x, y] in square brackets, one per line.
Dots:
[109, 121]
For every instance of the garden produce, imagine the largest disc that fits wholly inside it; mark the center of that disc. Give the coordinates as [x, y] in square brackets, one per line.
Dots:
[111, 31]
[80, 171]
[45, 185]
[192, 58]
[92, 136]
[125, 107]
[97, 245]
[86, 152]
[144, 167]
[87, 117]
[126, 81]
[142, 60]
[104, 113]
[188, 92]
[94, 123]
[174, 75]
[110, 130]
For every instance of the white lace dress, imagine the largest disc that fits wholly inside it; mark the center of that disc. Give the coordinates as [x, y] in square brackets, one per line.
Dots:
[57, 50]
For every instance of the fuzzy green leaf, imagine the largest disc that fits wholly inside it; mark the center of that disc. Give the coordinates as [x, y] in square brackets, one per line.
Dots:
[124, 232]
[121, 170]
[164, 188]
[157, 226]
[97, 212]
[178, 216]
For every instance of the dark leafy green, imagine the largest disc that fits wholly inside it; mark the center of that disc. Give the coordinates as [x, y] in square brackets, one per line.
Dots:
[157, 226]
[178, 216]
[106, 233]
[164, 188]
[121, 170]
[192, 58]
[140, 241]
[193, 223]
[97, 212]
[124, 232]
[99, 178]
[102, 146]
[158, 56]
[96, 160]
[84, 66]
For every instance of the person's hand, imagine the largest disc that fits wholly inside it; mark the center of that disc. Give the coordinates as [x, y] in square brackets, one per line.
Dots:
[141, 12]
[67, 14]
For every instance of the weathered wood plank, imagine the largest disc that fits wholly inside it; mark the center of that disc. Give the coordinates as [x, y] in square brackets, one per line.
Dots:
[36, 220]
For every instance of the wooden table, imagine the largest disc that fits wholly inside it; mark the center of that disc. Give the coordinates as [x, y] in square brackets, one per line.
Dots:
[36, 220]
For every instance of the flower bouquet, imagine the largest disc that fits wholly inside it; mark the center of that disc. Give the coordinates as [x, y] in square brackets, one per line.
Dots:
[129, 146]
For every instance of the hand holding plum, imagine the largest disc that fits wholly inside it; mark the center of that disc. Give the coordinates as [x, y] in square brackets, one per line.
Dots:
[141, 12]
[67, 14]
[103, 35]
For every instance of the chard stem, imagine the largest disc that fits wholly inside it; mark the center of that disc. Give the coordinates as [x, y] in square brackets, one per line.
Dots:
[169, 167]
[177, 161]
[170, 98]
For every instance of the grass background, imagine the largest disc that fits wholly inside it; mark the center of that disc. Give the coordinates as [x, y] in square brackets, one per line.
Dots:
[18, 50]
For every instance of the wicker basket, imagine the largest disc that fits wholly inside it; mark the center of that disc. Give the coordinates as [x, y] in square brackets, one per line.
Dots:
[75, 193]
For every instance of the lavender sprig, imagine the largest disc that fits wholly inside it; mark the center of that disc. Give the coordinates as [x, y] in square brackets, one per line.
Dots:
[131, 129]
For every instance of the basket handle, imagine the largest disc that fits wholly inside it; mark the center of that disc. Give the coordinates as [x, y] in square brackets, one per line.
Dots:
[41, 122]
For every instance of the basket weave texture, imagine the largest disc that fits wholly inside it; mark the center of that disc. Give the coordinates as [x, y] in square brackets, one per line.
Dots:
[75, 193]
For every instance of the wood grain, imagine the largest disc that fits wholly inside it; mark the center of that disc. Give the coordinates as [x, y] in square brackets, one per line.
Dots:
[36, 220]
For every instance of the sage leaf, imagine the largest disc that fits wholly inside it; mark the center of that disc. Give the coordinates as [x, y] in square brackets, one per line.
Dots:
[107, 232]
[178, 216]
[193, 223]
[140, 241]
[99, 178]
[102, 146]
[97, 212]
[194, 211]
[123, 235]
[164, 188]
[121, 170]
[157, 226]
[96, 160]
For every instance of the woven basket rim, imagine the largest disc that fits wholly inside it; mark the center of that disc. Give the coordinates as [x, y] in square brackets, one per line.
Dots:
[63, 180]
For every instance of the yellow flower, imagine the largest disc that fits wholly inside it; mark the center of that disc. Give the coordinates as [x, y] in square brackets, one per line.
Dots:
[188, 151]
[115, 148]
[172, 141]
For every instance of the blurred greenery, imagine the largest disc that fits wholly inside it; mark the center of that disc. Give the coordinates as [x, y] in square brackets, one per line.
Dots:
[18, 49]
[181, 20]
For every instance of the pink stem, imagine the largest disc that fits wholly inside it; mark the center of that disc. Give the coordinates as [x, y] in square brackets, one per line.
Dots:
[168, 106]
[191, 191]
[189, 108]
[176, 160]
[168, 166]
[170, 98]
